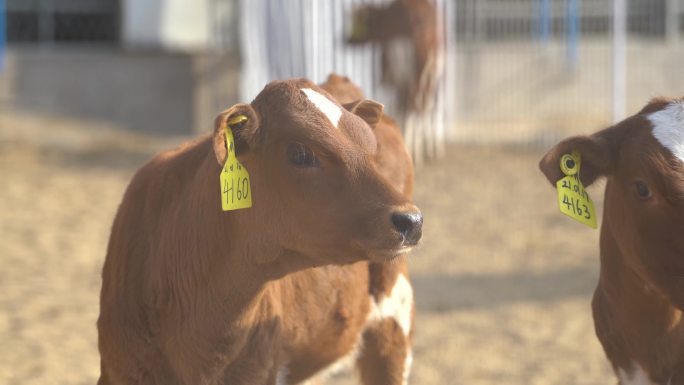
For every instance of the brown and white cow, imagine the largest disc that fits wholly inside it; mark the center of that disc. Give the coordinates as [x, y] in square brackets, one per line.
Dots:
[195, 295]
[410, 41]
[639, 299]
[382, 337]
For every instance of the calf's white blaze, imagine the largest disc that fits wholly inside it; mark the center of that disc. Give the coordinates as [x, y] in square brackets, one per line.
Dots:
[668, 128]
[331, 110]
[635, 376]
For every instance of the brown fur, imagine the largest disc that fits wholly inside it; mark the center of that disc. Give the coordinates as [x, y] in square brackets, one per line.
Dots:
[385, 346]
[639, 299]
[385, 350]
[194, 295]
[394, 161]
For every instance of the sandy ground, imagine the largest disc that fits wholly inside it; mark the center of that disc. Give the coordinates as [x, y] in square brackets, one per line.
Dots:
[503, 282]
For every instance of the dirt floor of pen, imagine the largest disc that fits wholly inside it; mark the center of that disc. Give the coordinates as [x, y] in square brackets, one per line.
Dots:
[503, 282]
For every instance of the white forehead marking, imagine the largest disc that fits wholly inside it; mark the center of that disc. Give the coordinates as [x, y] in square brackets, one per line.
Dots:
[668, 128]
[332, 111]
[399, 305]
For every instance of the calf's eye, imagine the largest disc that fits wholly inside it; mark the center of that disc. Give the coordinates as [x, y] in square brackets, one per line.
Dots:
[642, 191]
[301, 156]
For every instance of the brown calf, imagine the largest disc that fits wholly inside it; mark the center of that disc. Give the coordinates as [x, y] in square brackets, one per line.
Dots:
[640, 295]
[194, 295]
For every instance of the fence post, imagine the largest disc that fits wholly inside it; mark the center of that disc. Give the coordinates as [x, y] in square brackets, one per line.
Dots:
[471, 62]
[449, 85]
[3, 34]
[619, 59]
[573, 30]
[672, 21]
[543, 29]
[46, 23]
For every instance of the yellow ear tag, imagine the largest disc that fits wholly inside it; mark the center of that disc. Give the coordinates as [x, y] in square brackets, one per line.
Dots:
[235, 186]
[573, 200]
[359, 30]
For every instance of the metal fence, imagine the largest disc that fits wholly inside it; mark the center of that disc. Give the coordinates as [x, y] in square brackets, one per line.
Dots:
[514, 70]
[536, 70]
[3, 38]
[62, 21]
[524, 71]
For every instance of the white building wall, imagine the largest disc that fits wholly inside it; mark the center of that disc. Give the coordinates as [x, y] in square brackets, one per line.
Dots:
[172, 25]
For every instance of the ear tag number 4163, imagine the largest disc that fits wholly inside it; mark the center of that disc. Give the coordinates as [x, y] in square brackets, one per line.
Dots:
[573, 200]
[235, 186]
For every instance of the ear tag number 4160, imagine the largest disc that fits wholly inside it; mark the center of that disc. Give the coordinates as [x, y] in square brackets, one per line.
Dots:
[573, 200]
[235, 186]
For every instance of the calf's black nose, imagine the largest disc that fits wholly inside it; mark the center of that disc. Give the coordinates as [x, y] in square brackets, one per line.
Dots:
[409, 225]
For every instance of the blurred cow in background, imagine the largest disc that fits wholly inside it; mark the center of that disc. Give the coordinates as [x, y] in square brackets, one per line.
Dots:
[408, 33]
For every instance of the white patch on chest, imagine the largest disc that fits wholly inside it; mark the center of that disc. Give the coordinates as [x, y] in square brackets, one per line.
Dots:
[398, 305]
[635, 376]
[331, 110]
[668, 128]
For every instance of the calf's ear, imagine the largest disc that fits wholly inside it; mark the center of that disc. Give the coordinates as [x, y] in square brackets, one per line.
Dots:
[598, 153]
[243, 122]
[368, 110]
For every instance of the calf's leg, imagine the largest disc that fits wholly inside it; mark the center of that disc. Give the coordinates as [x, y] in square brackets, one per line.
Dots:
[386, 355]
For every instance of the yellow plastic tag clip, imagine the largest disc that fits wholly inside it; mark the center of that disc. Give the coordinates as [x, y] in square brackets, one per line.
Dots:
[573, 200]
[235, 186]
[237, 121]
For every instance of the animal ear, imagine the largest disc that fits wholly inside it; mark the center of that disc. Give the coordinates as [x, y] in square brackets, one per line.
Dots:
[243, 122]
[597, 156]
[368, 110]
[335, 78]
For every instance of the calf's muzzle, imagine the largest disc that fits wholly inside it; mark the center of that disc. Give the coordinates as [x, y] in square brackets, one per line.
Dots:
[410, 225]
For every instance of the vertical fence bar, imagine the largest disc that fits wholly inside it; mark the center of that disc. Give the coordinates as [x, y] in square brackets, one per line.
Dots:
[449, 84]
[672, 21]
[438, 113]
[573, 31]
[46, 22]
[314, 71]
[619, 59]
[3, 34]
[543, 30]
